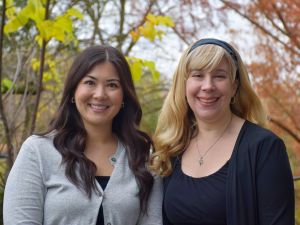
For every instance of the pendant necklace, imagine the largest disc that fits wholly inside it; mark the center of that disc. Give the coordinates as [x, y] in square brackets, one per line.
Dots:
[201, 161]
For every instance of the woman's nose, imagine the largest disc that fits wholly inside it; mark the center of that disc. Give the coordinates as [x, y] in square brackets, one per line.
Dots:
[100, 92]
[207, 83]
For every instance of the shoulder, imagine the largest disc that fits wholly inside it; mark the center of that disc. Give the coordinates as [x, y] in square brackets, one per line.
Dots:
[38, 143]
[256, 134]
[38, 140]
[39, 147]
[260, 142]
[39, 154]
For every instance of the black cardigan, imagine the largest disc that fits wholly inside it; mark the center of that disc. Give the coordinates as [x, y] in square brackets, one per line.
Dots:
[260, 189]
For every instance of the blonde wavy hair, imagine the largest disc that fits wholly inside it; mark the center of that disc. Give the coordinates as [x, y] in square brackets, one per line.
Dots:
[176, 123]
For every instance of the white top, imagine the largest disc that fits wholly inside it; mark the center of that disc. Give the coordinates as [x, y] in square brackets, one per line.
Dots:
[38, 192]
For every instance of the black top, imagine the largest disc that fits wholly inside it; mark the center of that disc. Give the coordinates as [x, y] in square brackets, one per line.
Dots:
[201, 201]
[259, 186]
[102, 180]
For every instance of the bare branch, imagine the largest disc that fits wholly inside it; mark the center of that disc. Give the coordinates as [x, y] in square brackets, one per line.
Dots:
[259, 26]
[40, 77]
[7, 130]
[285, 128]
[141, 23]
[120, 37]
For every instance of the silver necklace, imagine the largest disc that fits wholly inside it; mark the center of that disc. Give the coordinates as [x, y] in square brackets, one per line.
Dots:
[201, 161]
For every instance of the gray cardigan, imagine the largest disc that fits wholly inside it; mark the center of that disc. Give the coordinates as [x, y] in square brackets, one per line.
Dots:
[38, 192]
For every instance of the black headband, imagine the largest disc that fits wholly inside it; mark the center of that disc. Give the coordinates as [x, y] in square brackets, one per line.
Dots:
[229, 49]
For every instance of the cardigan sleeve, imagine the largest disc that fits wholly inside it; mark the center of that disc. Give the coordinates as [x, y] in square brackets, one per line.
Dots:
[154, 211]
[24, 190]
[275, 190]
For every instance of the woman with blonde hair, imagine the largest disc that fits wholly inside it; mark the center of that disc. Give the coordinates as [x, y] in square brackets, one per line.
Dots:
[220, 165]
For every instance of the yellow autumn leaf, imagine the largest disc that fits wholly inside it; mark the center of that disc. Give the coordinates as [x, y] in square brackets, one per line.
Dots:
[136, 70]
[45, 29]
[47, 76]
[152, 18]
[35, 64]
[74, 12]
[160, 20]
[17, 21]
[39, 40]
[135, 35]
[136, 67]
[37, 10]
[63, 23]
[150, 65]
[165, 20]
[14, 24]
[148, 31]
[10, 9]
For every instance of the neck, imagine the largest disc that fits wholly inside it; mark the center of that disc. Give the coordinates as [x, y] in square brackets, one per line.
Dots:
[100, 145]
[212, 128]
[100, 135]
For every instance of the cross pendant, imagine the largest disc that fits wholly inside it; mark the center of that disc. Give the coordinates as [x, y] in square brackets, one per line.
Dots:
[201, 161]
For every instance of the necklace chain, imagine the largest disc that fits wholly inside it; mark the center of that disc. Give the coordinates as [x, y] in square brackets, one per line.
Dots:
[201, 161]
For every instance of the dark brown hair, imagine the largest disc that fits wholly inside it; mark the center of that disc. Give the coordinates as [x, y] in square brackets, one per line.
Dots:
[70, 134]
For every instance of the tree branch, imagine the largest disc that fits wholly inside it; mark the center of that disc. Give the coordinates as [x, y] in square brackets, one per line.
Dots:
[259, 26]
[282, 106]
[120, 37]
[7, 131]
[142, 22]
[40, 76]
[286, 129]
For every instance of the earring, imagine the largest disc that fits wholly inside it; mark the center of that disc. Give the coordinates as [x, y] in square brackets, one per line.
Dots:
[73, 100]
[123, 105]
[233, 100]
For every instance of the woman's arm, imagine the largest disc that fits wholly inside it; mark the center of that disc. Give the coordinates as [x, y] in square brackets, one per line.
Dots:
[275, 188]
[24, 190]
[154, 212]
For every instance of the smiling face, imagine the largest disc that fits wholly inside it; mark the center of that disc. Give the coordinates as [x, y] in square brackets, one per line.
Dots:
[99, 96]
[209, 93]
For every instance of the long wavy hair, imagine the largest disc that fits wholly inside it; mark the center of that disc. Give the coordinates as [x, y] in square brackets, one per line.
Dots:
[176, 122]
[70, 135]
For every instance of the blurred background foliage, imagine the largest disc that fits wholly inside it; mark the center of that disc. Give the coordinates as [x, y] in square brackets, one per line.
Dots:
[39, 38]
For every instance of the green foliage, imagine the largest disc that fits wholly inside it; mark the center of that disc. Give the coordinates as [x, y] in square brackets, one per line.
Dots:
[6, 85]
[139, 66]
[33, 10]
[59, 28]
[151, 95]
[52, 80]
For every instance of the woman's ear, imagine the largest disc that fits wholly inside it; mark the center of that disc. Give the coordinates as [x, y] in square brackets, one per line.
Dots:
[235, 87]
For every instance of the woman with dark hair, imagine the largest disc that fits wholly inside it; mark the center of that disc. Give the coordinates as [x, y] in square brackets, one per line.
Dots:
[90, 167]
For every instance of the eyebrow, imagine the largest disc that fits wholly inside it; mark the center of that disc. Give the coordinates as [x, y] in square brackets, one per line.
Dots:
[90, 76]
[196, 70]
[220, 70]
[112, 80]
[109, 80]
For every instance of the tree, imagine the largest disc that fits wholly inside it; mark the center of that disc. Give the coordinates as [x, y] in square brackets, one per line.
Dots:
[20, 92]
[276, 69]
[44, 35]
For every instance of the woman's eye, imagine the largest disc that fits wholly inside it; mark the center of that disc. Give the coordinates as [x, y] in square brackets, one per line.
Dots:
[112, 85]
[197, 75]
[89, 82]
[220, 76]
